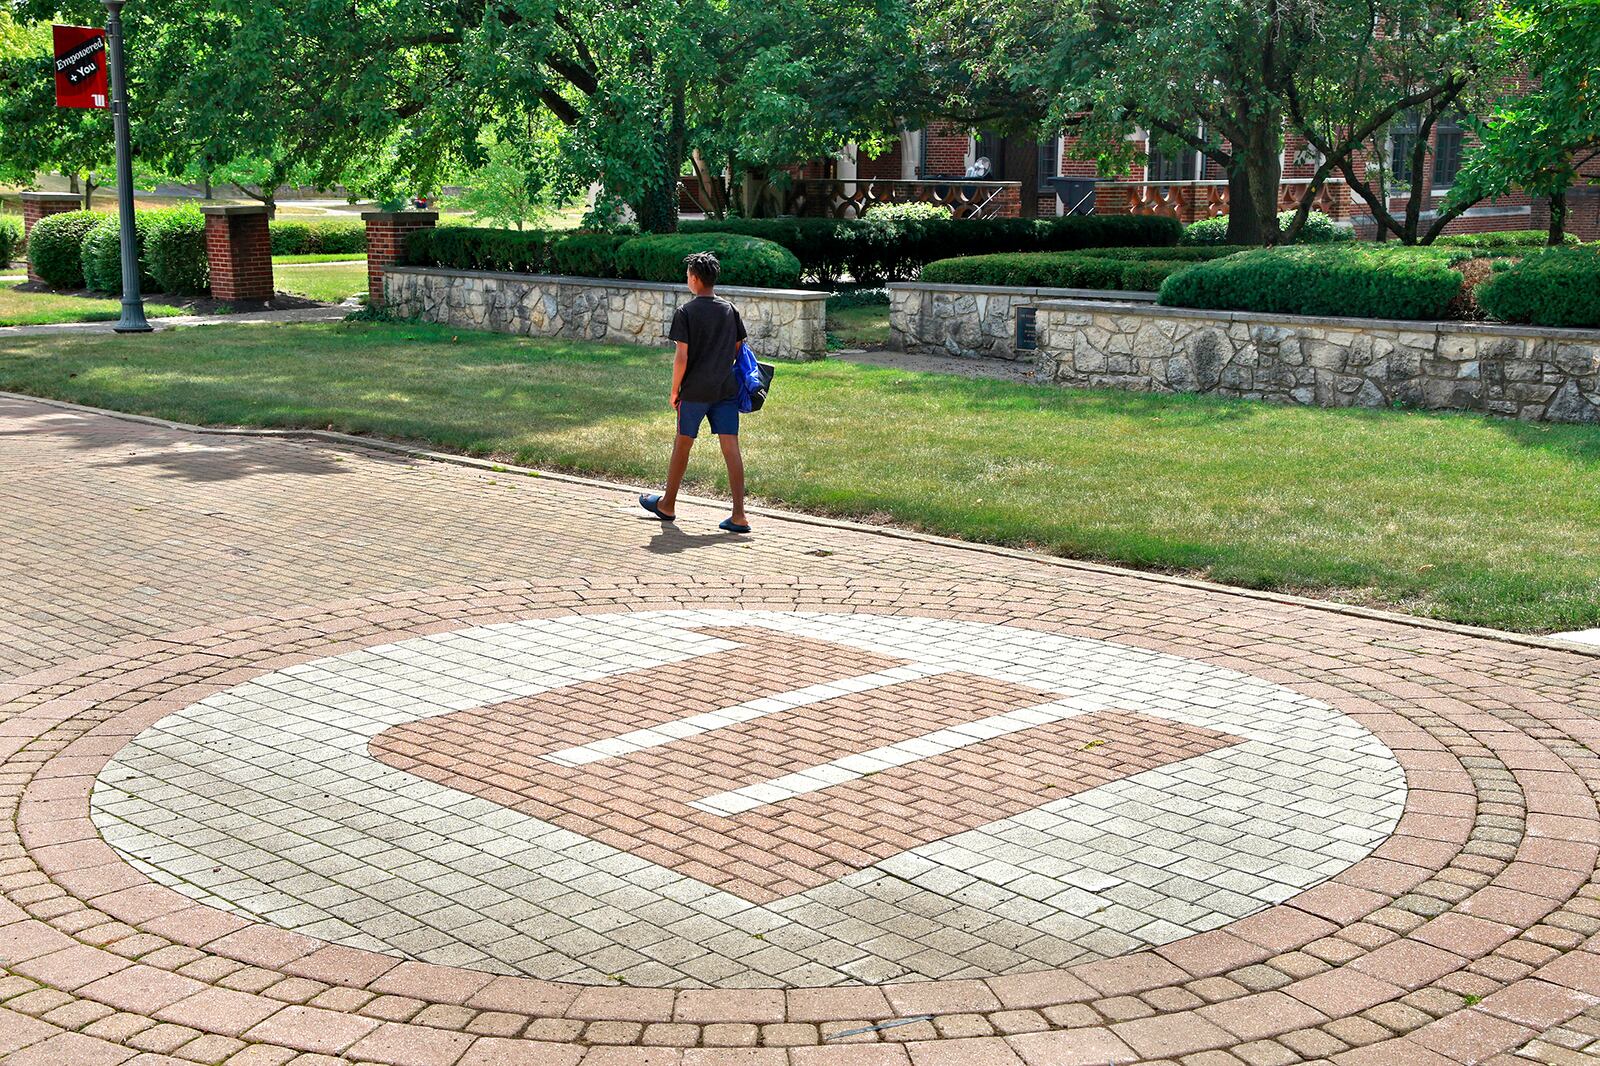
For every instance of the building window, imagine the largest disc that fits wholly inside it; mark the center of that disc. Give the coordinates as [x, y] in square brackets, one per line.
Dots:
[1446, 152]
[1177, 166]
[1402, 142]
[1049, 162]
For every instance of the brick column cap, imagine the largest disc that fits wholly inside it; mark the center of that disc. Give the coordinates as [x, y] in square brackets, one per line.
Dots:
[53, 197]
[399, 216]
[232, 210]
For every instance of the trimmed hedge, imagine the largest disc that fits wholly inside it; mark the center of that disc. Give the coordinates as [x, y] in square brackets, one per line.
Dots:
[293, 237]
[1495, 240]
[589, 255]
[175, 250]
[1136, 269]
[172, 252]
[889, 246]
[1557, 287]
[1318, 229]
[10, 238]
[101, 255]
[745, 260]
[474, 248]
[1345, 280]
[55, 247]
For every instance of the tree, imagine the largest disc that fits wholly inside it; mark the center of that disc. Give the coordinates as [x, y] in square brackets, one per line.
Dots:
[1539, 138]
[35, 134]
[503, 191]
[1366, 67]
[427, 84]
[1200, 74]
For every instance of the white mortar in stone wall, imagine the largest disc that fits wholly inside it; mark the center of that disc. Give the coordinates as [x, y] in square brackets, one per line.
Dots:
[783, 323]
[1527, 372]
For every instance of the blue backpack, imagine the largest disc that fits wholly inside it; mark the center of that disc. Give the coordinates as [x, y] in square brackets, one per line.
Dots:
[755, 379]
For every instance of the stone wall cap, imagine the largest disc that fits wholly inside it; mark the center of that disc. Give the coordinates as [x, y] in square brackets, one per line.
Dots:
[397, 216]
[51, 197]
[231, 210]
[1124, 295]
[1398, 325]
[607, 283]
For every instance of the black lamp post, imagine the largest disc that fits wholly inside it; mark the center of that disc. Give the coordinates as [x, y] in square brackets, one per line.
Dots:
[132, 320]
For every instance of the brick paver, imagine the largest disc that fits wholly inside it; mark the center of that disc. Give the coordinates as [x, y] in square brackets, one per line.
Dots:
[310, 753]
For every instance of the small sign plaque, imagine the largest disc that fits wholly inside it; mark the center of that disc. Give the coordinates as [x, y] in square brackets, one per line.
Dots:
[80, 66]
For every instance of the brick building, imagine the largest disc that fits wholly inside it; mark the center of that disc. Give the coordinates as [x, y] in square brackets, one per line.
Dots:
[1183, 185]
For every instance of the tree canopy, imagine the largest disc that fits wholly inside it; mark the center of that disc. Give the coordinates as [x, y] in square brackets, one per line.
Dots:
[1539, 136]
[326, 87]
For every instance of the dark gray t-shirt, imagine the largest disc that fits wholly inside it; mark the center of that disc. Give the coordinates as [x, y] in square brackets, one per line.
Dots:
[712, 329]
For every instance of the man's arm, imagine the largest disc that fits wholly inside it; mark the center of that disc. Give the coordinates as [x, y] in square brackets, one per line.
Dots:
[680, 366]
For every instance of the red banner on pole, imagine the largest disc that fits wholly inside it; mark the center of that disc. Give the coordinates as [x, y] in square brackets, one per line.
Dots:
[80, 66]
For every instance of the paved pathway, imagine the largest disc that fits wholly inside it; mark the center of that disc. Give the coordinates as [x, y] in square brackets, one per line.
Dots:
[320, 313]
[319, 755]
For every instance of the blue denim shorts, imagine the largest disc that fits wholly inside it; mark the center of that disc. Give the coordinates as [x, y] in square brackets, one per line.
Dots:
[723, 416]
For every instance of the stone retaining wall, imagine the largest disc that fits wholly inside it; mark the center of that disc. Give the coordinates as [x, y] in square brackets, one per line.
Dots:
[783, 323]
[1527, 372]
[977, 321]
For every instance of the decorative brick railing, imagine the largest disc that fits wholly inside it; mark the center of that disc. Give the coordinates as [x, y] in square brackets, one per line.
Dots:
[1191, 201]
[850, 197]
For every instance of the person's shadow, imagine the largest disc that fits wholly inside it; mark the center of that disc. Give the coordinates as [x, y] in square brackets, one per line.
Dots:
[670, 540]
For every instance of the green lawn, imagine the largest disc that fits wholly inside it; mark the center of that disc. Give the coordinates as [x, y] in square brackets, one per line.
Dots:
[1456, 516]
[329, 283]
[862, 326]
[43, 308]
[319, 257]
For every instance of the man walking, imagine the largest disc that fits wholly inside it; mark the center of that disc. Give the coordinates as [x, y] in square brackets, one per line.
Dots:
[708, 332]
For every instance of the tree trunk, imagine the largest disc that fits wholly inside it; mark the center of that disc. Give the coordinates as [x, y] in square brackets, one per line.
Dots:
[1253, 183]
[658, 206]
[1558, 219]
[88, 192]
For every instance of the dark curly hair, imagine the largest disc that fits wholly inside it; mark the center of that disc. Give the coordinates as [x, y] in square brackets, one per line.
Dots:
[704, 266]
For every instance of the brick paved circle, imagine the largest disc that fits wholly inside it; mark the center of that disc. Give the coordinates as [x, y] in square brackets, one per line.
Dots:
[749, 798]
[1470, 934]
[1463, 898]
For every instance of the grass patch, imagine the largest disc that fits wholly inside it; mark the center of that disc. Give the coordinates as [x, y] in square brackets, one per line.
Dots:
[319, 257]
[45, 308]
[862, 326]
[329, 284]
[1455, 516]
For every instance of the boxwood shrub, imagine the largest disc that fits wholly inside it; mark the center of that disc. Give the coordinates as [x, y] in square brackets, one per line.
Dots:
[1500, 240]
[101, 255]
[55, 247]
[335, 236]
[588, 255]
[1318, 229]
[175, 250]
[472, 248]
[1557, 287]
[10, 238]
[1347, 280]
[745, 260]
[892, 246]
[1138, 269]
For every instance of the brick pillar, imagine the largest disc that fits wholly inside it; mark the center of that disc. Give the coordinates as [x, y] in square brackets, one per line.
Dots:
[239, 252]
[386, 243]
[37, 205]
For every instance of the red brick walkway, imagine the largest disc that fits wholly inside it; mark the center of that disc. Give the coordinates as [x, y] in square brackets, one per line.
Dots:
[147, 569]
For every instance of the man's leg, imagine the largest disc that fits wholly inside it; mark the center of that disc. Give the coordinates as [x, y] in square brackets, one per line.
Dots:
[676, 468]
[735, 461]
